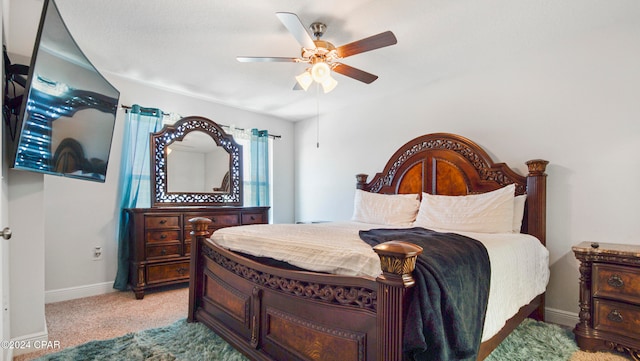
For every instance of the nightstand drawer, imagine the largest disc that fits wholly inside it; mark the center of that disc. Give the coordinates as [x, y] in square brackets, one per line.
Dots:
[167, 272]
[162, 222]
[616, 282]
[163, 251]
[617, 317]
[162, 236]
[609, 297]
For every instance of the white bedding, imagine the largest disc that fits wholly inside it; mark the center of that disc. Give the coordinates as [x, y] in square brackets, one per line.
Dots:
[519, 263]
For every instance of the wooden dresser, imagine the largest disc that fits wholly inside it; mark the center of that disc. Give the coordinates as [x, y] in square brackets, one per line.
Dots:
[609, 297]
[160, 240]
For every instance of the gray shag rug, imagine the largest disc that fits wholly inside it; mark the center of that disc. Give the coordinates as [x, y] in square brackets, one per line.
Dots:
[532, 340]
[178, 341]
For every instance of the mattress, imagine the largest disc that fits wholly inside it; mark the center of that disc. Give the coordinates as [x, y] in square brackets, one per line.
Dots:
[519, 262]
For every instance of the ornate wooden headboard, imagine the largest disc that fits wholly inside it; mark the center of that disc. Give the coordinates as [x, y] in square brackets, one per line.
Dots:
[449, 164]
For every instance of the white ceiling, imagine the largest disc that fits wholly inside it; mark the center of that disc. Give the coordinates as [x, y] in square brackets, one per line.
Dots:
[190, 46]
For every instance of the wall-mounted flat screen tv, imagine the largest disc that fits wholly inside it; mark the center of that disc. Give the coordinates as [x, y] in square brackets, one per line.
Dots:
[68, 110]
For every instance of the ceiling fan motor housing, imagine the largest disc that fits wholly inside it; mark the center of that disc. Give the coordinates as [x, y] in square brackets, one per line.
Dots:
[318, 29]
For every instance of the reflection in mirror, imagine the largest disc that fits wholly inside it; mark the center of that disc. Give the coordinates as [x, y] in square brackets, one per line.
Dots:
[197, 164]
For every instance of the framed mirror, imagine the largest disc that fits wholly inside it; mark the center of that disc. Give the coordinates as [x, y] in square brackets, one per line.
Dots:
[195, 163]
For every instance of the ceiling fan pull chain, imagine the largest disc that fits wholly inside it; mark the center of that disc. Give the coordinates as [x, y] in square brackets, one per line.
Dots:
[317, 115]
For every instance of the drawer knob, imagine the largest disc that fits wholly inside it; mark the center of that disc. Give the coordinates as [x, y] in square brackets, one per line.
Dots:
[164, 251]
[213, 219]
[181, 271]
[615, 281]
[163, 236]
[163, 221]
[615, 316]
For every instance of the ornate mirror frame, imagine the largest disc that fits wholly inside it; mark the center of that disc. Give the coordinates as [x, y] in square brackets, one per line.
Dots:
[161, 197]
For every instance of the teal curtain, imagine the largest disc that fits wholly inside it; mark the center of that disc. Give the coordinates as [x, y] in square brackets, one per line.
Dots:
[259, 172]
[135, 183]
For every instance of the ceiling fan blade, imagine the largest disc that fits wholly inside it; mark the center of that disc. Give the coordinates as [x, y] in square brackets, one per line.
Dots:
[373, 42]
[354, 73]
[295, 27]
[259, 59]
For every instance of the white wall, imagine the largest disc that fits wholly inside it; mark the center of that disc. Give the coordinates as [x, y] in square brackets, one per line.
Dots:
[574, 102]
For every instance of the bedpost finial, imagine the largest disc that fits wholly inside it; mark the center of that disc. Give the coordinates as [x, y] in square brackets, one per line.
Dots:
[200, 225]
[537, 166]
[361, 180]
[398, 260]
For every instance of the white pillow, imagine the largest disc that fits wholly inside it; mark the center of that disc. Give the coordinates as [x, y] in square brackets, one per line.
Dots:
[518, 212]
[388, 209]
[490, 212]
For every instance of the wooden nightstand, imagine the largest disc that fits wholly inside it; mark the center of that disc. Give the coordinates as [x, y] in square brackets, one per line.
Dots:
[609, 297]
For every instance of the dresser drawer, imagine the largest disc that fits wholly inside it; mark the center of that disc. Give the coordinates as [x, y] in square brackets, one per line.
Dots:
[167, 272]
[217, 220]
[187, 248]
[616, 282]
[163, 251]
[162, 221]
[162, 236]
[617, 317]
[253, 218]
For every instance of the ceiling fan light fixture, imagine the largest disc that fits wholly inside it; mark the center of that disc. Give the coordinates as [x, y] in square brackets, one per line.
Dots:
[304, 80]
[320, 72]
[329, 84]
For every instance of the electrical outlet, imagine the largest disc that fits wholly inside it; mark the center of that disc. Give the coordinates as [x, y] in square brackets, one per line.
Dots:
[97, 253]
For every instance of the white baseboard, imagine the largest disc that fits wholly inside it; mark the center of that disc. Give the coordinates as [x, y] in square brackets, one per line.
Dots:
[34, 341]
[72, 293]
[560, 317]
[7, 354]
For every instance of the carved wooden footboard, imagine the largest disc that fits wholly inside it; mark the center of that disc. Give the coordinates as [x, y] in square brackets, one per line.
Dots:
[272, 314]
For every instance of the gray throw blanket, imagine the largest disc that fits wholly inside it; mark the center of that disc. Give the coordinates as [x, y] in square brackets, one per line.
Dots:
[447, 311]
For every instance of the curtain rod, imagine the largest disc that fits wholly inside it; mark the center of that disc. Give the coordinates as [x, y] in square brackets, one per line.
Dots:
[274, 136]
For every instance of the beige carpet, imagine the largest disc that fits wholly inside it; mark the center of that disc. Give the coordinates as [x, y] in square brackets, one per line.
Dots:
[115, 314]
[598, 356]
[111, 315]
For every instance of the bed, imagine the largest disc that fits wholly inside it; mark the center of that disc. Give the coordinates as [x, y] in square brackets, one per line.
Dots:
[277, 311]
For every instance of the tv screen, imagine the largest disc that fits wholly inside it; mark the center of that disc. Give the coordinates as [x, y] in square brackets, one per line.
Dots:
[68, 110]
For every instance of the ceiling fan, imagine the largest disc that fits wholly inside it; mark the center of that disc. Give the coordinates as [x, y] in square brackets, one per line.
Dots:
[323, 56]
